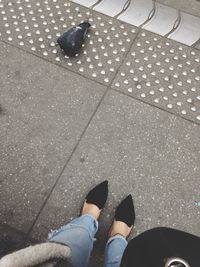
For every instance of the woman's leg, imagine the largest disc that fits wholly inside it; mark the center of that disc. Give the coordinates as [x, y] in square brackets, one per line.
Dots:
[79, 233]
[120, 230]
[79, 236]
[114, 251]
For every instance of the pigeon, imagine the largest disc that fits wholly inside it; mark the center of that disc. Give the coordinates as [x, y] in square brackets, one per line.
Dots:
[71, 41]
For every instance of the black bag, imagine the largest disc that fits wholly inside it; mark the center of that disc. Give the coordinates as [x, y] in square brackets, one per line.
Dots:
[162, 247]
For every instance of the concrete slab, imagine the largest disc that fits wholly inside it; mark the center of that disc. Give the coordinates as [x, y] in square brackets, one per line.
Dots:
[141, 150]
[191, 7]
[163, 73]
[188, 31]
[155, 17]
[138, 12]
[44, 110]
[163, 20]
[35, 26]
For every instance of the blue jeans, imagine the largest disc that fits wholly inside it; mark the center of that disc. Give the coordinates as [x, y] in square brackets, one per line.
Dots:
[79, 236]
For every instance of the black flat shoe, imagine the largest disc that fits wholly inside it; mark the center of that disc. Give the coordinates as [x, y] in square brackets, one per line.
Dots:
[98, 195]
[125, 212]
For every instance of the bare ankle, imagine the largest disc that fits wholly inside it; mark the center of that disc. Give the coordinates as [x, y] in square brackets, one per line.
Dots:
[120, 228]
[91, 209]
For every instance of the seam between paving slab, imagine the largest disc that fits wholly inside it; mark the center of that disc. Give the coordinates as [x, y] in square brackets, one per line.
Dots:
[71, 70]
[117, 71]
[157, 107]
[57, 64]
[51, 62]
[68, 160]
[109, 89]
[180, 86]
[80, 138]
[39, 38]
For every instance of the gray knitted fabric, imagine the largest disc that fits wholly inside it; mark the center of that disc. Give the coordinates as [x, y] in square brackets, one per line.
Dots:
[47, 254]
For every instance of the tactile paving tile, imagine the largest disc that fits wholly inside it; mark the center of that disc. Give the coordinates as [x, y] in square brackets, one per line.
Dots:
[35, 26]
[163, 73]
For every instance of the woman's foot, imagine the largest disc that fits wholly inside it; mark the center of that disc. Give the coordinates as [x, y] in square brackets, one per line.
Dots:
[95, 200]
[124, 218]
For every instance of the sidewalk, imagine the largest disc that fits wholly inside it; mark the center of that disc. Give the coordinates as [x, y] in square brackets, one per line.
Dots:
[127, 110]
